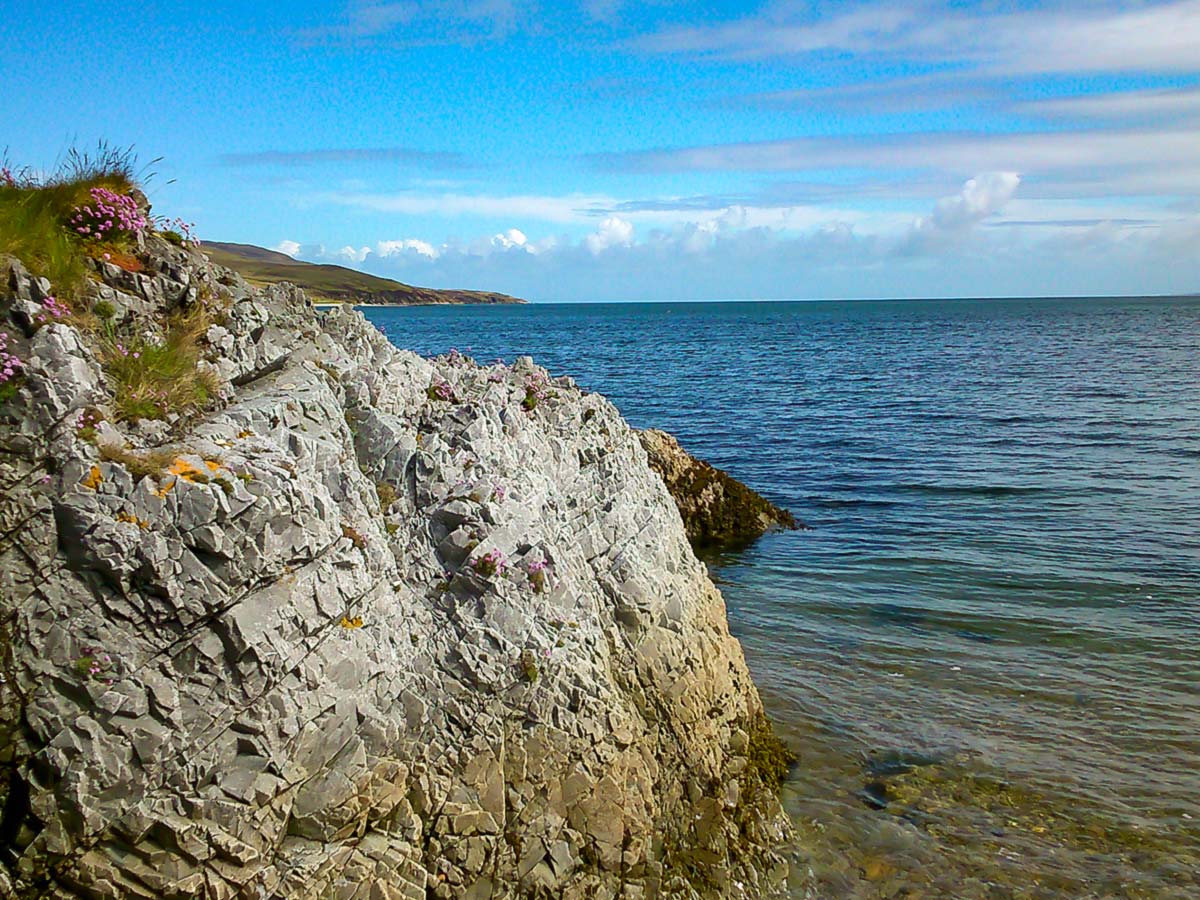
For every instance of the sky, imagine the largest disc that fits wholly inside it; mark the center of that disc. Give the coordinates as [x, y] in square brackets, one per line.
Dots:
[602, 150]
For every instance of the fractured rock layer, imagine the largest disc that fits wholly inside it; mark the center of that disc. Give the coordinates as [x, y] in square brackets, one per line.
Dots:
[368, 628]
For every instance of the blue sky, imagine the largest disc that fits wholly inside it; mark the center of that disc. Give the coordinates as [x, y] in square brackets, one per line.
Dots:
[604, 150]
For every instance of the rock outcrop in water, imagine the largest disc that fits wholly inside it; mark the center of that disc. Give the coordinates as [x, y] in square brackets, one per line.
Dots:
[717, 510]
[370, 626]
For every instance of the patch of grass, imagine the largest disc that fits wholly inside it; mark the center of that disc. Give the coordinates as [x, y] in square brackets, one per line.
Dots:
[172, 237]
[141, 464]
[31, 229]
[34, 211]
[151, 380]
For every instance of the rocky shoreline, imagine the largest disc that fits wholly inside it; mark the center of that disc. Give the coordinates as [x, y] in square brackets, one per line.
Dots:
[365, 626]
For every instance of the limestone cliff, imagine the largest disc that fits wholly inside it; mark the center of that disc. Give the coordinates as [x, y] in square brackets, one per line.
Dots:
[367, 626]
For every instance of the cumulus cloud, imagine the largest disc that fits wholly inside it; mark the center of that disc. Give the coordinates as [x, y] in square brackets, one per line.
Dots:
[511, 238]
[289, 248]
[613, 232]
[979, 198]
[350, 254]
[405, 247]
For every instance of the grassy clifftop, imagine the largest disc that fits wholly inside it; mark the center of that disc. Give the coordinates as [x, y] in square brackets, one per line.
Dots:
[337, 283]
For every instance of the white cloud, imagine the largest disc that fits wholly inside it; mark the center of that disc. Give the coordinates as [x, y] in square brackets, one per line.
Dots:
[720, 258]
[1111, 156]
[1174, 104]
[979, 198]
[613, 232]
[573, 208]
[289, 248]
[511, 238]
[352, 255]
[424, 22]
[406, 246]
[1096, 37]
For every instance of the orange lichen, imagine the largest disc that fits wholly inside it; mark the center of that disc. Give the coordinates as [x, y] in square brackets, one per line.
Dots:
[185, 470]
[164, 489]
[213, 465]
[93, 478]
[356, 622]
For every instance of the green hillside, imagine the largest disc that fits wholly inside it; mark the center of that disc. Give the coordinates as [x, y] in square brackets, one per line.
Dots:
[335, 283]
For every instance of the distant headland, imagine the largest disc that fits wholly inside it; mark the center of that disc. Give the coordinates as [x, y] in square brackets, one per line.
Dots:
[335, 284]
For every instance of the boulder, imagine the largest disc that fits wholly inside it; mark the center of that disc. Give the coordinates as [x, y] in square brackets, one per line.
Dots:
[717, 510]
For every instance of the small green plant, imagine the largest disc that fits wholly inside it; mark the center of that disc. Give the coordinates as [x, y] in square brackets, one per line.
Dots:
[104, 310]
[11, 367]
[528, 666]
[441, 391]
[491, 563]
[172, 237]
[536, 390]
[387, 495]
[86, 422]
[95, 664]
[141, 464]
[537, 574]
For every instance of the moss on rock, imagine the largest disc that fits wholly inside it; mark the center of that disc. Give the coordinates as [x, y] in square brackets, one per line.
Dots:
[717, 510]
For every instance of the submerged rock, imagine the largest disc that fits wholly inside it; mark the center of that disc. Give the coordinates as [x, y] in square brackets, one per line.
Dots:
[717, 510]
[347, 633]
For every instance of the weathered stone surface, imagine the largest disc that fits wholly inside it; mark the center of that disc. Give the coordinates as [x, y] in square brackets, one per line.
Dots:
[717, 510]
[329, 666]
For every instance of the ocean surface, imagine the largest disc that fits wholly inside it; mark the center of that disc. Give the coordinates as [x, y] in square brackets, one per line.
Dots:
[986, 647]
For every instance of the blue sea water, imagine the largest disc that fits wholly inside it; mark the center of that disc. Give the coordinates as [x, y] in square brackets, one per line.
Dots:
[986, 647]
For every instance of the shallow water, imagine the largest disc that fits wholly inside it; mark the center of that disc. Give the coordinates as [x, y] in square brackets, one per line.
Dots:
[987, 647]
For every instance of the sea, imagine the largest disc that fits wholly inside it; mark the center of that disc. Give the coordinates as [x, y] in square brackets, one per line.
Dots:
[985, 645]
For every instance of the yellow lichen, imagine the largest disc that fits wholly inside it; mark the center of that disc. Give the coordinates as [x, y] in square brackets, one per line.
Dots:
[93, 478]
[164, 489]
[131, 519]
[356, 622]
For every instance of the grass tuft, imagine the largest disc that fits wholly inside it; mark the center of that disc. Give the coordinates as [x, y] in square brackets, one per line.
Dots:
[152, 380]
[140, 464]
[35, 209]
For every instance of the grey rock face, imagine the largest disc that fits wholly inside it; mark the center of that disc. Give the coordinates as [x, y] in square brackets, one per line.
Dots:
[339, 637]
